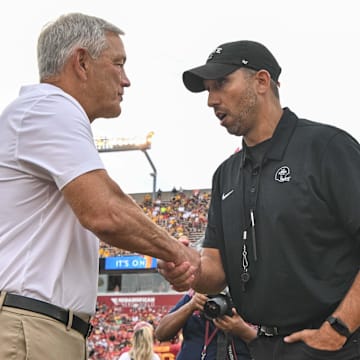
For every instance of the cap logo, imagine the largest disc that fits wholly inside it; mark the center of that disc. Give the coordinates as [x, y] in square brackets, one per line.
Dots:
[216, 51]
[244, 62]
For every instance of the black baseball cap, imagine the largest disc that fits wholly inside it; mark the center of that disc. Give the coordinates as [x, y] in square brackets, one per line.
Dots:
[229, 57]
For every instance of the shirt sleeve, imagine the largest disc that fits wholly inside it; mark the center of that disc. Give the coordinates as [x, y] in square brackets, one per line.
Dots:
[340, 174]
[213, 232]
[185, 299]
[55, 140]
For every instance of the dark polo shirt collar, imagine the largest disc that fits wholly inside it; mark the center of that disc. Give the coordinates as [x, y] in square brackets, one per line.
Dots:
[280, 139]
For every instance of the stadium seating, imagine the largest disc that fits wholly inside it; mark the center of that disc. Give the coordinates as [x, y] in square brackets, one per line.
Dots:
[180, 212]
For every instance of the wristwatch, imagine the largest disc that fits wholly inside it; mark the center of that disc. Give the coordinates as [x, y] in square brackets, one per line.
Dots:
[339, 326]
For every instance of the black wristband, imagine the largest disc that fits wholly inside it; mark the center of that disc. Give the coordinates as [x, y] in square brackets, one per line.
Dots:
[339, 326]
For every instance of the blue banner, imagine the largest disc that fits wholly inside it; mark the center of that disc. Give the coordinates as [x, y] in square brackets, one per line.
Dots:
[131, 262]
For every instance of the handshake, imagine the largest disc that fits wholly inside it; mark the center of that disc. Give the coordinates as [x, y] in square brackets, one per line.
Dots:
[200, 270]
[182, 273]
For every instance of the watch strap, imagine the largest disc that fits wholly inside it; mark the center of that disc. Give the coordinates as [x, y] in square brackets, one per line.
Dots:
[339, 326]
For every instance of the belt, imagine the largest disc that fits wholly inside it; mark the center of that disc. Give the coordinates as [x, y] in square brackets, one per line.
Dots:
[269, 331]
[44, 308]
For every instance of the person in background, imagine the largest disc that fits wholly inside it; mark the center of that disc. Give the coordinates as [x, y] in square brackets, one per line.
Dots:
[57, 199]
[220, 338]
[283, 227]
[142, 347]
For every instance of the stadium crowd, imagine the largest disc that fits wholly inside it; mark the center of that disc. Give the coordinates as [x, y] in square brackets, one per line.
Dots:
[180, 213]
[113, 330]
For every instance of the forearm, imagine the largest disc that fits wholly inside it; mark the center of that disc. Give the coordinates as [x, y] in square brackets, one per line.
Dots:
[349, 309]
[131, 229]
[327, 338]
[245, 332]
[172, 323]
[211, 278]
[103, 208]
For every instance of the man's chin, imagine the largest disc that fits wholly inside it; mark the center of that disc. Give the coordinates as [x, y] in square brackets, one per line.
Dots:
[233, 131]
[113, 113]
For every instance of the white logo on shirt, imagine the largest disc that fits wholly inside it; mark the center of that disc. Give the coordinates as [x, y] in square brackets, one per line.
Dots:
[283, 174]
[225, 195]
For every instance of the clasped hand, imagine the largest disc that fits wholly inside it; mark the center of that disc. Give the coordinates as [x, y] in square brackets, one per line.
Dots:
[181, 275]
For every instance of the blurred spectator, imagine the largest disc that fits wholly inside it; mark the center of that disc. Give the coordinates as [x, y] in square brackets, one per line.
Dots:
[204, 338]
[142, 347]
[114, 327]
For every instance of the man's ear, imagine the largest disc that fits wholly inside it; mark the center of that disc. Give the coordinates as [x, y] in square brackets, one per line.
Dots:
[263, 80]
[81, 62]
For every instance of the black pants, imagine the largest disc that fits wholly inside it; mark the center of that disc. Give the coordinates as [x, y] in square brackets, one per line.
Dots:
[274, 348]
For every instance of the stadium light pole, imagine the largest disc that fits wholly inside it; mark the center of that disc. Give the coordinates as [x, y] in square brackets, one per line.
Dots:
[104, 144]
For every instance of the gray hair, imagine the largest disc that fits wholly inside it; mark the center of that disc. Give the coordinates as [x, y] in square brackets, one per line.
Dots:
[59, 39]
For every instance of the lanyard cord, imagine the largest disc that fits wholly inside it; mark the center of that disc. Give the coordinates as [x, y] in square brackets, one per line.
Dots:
[252, 207]
[232, 351]
[245, 275]
[258, 158]
[207, 338]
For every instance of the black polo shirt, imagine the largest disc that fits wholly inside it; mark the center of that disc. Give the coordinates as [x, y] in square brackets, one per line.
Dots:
[306, 200]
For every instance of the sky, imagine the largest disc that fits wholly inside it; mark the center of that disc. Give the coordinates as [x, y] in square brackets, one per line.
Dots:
[316, 42]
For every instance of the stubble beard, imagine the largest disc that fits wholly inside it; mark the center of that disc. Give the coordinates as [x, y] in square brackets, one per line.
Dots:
[243, 119]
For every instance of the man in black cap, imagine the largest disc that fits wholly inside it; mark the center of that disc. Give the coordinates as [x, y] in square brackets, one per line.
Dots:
[283, 225]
